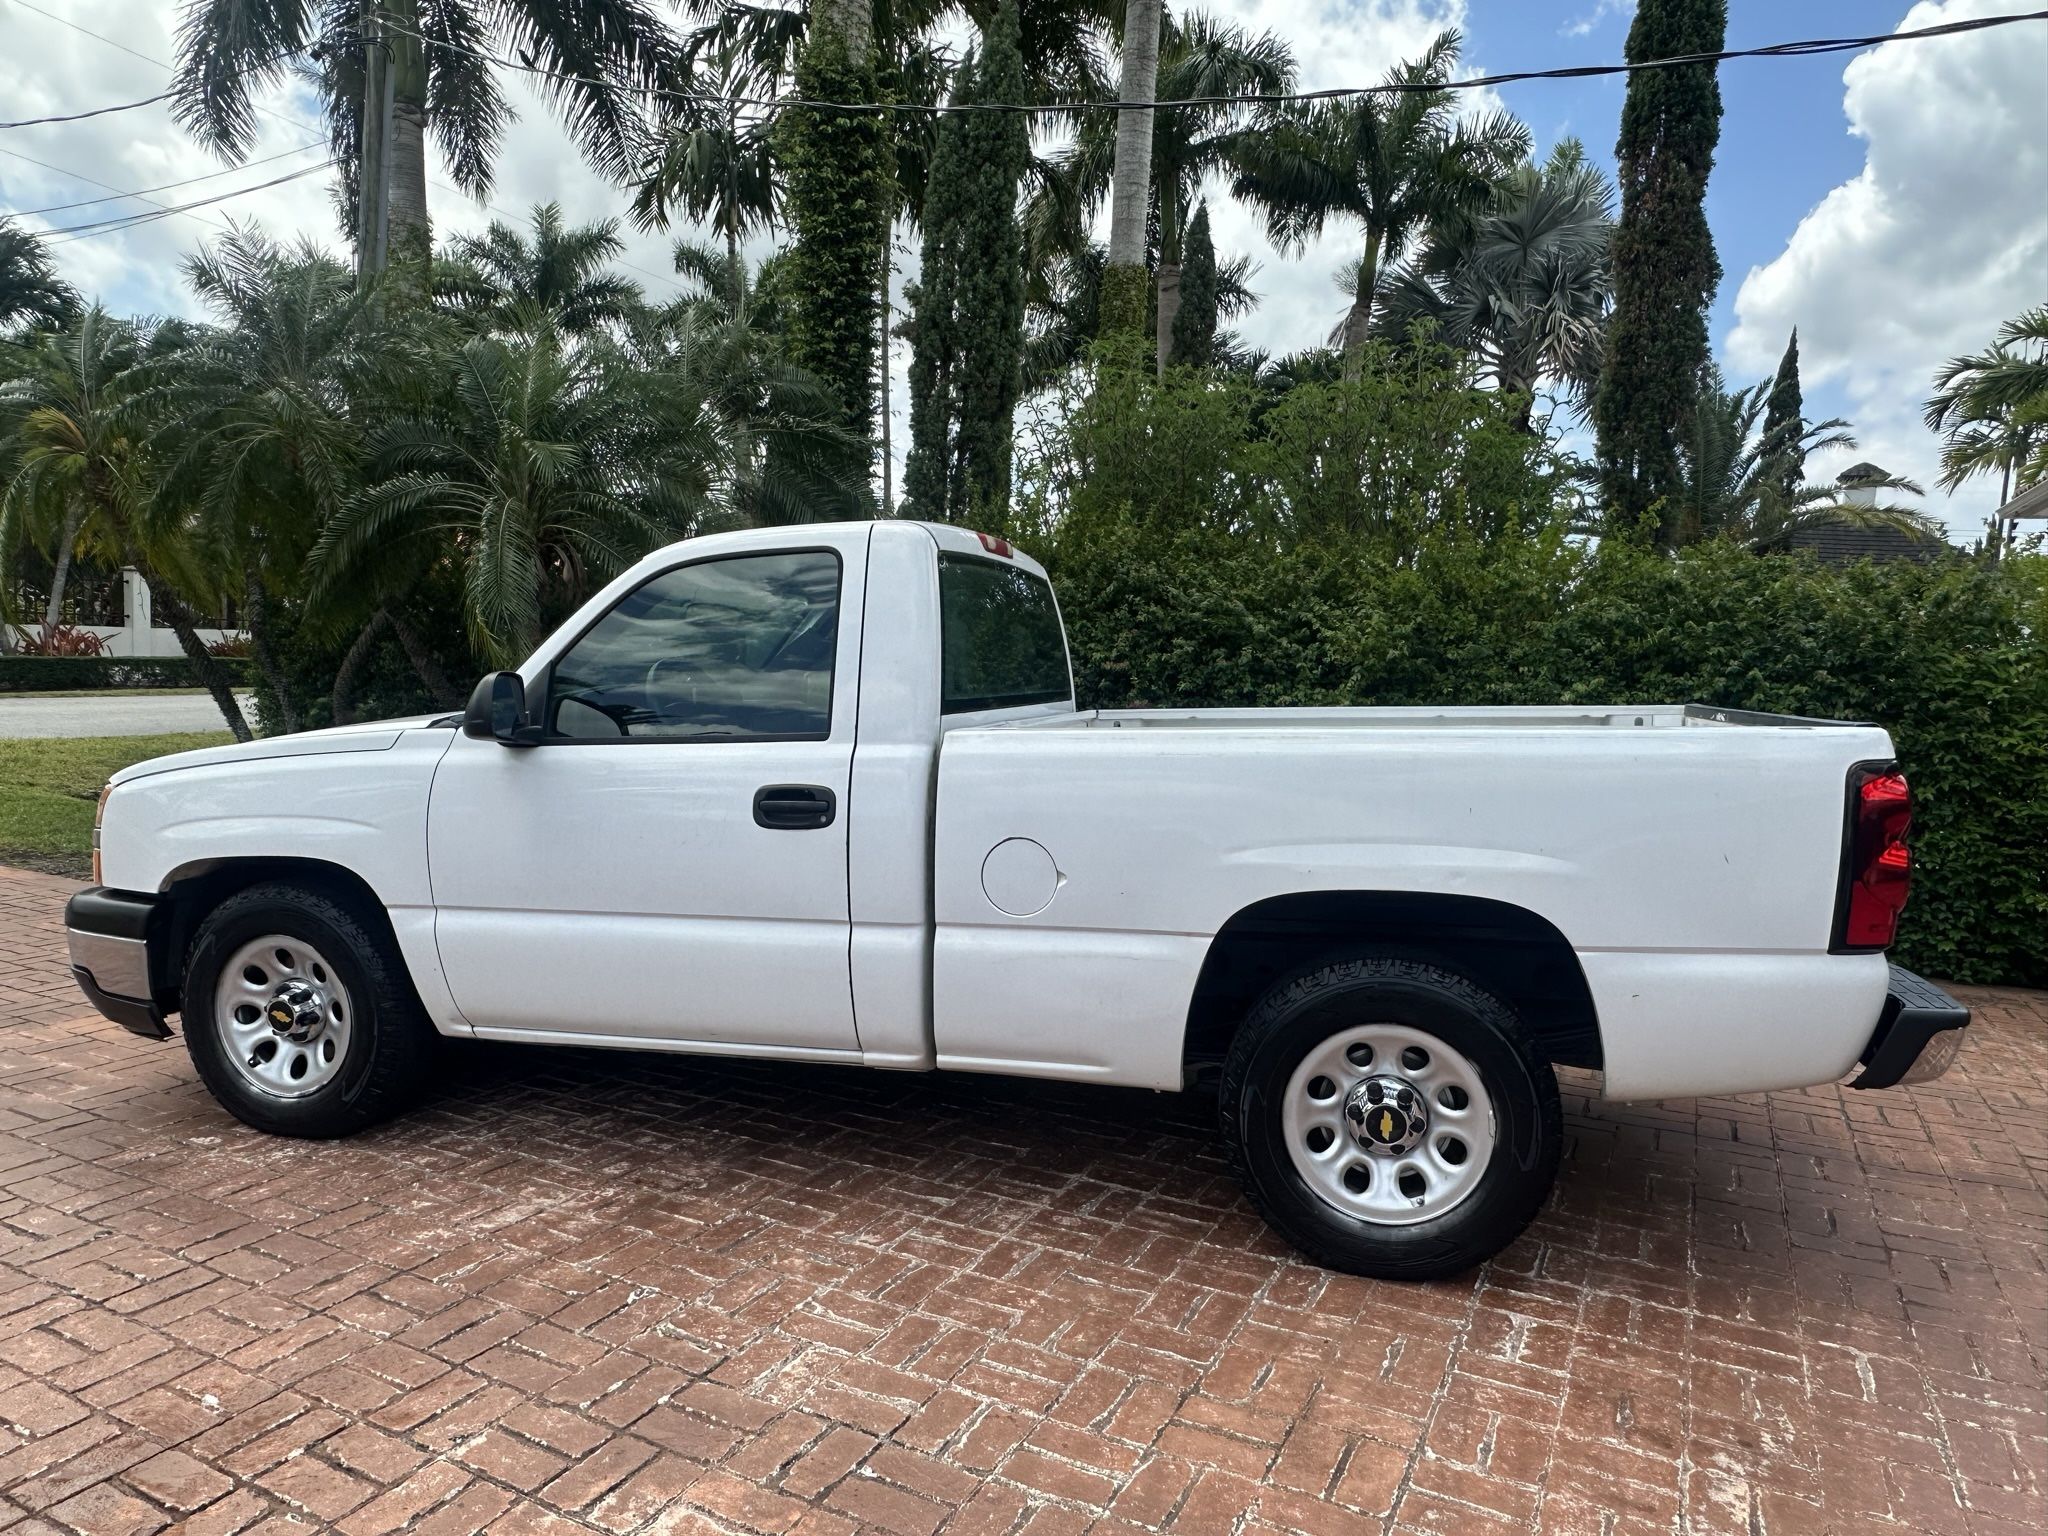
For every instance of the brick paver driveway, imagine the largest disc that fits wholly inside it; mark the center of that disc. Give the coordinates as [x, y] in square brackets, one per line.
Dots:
[642, 1293]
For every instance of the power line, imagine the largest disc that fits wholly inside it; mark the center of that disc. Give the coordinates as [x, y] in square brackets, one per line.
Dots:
[1803, 48]
[147, 101]
[66, 21]
[150, 58]
[169, 186]
[16, 154]
[110, 226]
[150, 101]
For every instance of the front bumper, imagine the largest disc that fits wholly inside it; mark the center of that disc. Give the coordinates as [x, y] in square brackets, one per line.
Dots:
[1918, 1034]
[109, 939]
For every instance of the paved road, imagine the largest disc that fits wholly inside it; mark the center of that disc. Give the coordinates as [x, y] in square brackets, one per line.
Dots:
[114, 714]
[589, 1293]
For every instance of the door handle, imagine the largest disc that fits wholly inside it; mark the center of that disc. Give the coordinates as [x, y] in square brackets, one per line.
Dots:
[794, 807]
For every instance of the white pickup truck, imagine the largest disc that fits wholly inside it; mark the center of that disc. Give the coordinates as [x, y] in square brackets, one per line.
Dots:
[821, 793]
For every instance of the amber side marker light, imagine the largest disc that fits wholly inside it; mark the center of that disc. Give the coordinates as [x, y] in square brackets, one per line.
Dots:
[99, 813]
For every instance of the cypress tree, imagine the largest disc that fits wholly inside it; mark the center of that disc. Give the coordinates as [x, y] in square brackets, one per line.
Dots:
[1785, 419]
[1665, 270]
[1194, 323]
[967, 315]
[838, 203]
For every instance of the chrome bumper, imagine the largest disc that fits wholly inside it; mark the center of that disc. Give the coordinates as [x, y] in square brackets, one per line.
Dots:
[108, 936]
[1918, 1036]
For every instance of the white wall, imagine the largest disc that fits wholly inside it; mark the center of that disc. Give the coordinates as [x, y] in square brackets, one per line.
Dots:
[138, 637]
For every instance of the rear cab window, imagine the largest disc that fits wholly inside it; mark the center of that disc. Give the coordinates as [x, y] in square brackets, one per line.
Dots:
[1000, 641]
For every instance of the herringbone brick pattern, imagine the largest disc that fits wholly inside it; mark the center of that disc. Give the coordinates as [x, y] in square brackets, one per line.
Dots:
[589, 1292]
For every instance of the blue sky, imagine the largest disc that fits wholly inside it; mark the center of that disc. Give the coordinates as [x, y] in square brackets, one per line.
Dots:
[1893, 204]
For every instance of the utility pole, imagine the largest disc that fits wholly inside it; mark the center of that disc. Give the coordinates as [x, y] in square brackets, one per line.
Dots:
[373, 180]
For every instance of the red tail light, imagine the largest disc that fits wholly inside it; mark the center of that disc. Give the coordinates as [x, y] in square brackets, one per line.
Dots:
[1879, 871]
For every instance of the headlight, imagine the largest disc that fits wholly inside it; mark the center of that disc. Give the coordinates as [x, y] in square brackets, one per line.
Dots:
[99, 814]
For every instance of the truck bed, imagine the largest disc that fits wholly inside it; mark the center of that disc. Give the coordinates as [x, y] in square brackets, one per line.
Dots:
[1689, 856]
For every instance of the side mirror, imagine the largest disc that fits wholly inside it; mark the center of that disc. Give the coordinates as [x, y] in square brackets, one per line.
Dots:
[497, 711]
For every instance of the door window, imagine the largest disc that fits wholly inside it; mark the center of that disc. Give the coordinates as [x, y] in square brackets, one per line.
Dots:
[738, 649]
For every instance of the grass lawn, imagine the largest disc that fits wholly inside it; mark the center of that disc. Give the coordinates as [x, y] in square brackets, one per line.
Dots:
[48, 789]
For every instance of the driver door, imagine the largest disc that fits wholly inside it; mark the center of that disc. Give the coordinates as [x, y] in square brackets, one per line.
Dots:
[669, 864]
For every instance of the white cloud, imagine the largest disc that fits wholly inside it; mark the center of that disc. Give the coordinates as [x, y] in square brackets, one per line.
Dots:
[1591, 21]
[1941, 237]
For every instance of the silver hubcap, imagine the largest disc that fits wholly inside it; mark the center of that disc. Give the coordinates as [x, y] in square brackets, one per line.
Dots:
[1389, 1124]
[283, 1016]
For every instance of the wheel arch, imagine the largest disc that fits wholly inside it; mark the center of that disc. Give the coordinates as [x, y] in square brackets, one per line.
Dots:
[1512, 951]
[193, 890]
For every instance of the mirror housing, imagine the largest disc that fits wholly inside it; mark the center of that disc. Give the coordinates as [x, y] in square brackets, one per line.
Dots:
[497, 711]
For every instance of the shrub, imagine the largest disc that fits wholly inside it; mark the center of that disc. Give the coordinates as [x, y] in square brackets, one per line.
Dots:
[1951, 658]
[64, 674]
[59, 640]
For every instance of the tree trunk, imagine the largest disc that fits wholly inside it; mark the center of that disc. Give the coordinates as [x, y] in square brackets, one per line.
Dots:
[1131, 184]
[185, 625]
[426, 665]
[411, 236]
[341, 702]
[256, 609]
[60, 573]
[1358, 321]
[1169, 270]
[854, 22]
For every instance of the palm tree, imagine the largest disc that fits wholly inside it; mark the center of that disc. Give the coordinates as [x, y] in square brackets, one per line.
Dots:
[256, 426]
[502, 280]
[1199, 57]
[1992, 409]
[1396, 162]
[599, 60]
[31, 292]
[708, 164]
[1523, 284]
[783, 456]
[77, 415]
[1733, 479]
[548, 468]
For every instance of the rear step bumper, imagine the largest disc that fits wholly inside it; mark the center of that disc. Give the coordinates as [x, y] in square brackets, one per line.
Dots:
[1918, 1034]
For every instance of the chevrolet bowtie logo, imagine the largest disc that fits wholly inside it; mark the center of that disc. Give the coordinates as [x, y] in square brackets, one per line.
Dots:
[1386, 1125]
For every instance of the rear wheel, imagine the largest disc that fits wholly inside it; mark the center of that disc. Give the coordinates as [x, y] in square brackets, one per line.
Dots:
[1391, 1118]
[299, 1015]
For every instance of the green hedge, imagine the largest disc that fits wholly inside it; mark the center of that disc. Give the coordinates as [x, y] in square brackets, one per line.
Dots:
[68, 674]
[1951, 658]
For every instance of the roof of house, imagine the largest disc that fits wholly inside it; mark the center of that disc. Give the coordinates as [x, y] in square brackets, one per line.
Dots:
[1846, 543]
[2032, 502]
[1862, 473]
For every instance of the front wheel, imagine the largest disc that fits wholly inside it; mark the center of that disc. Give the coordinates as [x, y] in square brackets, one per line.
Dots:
[1391, 1118]
[299, 1014]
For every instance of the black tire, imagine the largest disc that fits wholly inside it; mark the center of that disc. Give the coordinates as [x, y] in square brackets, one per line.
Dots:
[1301, 1014]
[389, 1040]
